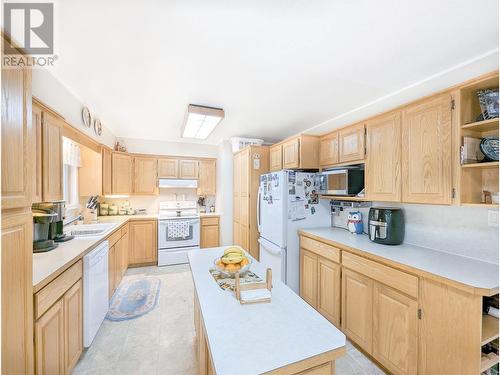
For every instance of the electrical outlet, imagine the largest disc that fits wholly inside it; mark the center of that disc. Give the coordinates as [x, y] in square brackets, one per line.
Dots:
[493, 218]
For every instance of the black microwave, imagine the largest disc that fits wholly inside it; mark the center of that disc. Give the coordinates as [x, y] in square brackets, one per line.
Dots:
[347, 181]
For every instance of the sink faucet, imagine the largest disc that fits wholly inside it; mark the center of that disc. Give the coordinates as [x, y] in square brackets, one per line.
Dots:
[72, 220]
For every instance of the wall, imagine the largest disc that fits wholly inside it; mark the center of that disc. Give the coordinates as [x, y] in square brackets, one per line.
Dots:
[224, 195]
[458, 230]
[146, 146]
[50, 91]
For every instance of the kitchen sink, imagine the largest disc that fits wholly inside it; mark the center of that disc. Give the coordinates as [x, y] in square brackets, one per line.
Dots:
[90, 230]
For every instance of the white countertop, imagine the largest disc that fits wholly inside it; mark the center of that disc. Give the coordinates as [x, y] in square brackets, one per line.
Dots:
[468, 271]
[256, 338]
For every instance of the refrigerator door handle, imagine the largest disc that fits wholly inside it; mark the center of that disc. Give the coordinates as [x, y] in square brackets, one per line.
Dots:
[258, 208]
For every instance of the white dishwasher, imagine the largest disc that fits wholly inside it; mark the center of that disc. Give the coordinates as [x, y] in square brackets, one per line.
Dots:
[95, 291]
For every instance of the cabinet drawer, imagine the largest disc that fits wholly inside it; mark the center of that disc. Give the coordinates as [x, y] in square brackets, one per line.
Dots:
[113, 238]
[399, 280]
[55, 290]
[320, 248]
[209, 221]
[124, 230]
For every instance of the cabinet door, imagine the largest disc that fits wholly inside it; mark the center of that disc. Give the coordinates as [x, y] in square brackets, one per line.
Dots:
[236, 233]
[145, 175]
[122, 173]
[125, 253]
[206, 183]
[352, 143]
[36, 154]
[383, 158]
[427, 151]
[90, 172]
[106, 172]
[52, 160]
[112, 269]
[275, 155]
[188, 169]
[73, 325]
[394, 330]
[309, 277]
[329, 149]
[209, 236]
[49, 341]
[357, 294]
[17, 293]
[168, 168]
[244, 209]
[291, 154]
[245, 237]
[328, 300]
[143, 242]
[16, 140]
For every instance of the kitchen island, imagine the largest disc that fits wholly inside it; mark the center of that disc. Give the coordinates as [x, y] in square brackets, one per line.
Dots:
[285, 336]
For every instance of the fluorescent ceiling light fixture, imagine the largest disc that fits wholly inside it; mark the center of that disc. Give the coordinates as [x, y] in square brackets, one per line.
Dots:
[201, 121]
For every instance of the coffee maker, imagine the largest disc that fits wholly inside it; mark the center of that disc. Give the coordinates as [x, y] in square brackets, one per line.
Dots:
[42, 220]
[386, 225]
[56, 226]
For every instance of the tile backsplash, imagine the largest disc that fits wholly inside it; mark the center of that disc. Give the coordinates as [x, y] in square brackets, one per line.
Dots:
[458, 230]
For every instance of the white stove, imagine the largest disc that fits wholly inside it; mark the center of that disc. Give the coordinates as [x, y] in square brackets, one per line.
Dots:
[178, 231]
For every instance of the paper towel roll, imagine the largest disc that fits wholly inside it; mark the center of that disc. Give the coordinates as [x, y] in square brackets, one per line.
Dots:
[493, 312]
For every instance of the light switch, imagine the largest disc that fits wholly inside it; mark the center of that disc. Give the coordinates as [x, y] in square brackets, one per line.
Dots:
[493, 218]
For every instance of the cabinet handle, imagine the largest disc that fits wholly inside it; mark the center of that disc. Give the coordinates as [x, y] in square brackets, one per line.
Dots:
[419, 314]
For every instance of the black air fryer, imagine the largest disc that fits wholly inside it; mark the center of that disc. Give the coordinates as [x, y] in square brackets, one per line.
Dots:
[386, 225]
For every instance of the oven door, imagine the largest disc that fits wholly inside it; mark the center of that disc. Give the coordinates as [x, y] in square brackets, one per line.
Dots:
[178, 232]
[335, 182]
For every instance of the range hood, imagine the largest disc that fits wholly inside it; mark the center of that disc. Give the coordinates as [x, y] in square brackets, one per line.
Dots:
[177, 183]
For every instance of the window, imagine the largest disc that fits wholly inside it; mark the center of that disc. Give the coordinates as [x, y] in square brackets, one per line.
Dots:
[71, 163]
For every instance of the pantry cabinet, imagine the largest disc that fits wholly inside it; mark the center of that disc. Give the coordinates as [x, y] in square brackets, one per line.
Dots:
[275, 157]
[122, 172]
[209, 232]
[248, 165]
[329, 149]
[145, 175]
[383, 158]
[168, 168]
[352, 143]
[143, 241]
[107, 176]
[357, 308]
[206, 182]
[426, 151]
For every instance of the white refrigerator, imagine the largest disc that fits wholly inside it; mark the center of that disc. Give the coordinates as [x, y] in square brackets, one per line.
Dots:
[287, 201]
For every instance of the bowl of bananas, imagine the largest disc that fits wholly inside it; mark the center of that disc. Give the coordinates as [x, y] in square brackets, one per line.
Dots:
[234, 260]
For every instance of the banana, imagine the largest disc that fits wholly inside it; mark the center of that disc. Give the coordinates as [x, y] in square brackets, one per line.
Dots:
[231, 259]
[233, 249]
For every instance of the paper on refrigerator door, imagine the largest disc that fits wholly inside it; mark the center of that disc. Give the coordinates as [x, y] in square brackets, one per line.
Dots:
[297, 210]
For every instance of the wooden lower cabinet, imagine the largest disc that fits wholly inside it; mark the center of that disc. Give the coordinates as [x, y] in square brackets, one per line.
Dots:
[118, 259]
[59, 334]
[49, 341]
[357, 308]
[73, 325]
[112, 269]
[209, 232]
[309, 277]
[394, 330]
[143, 248]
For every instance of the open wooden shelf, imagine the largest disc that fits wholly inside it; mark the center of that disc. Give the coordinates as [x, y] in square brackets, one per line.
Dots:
[485, 205]
[482, 126]
[344, 198]
[488, 361]
[488, 164]
[489, 330]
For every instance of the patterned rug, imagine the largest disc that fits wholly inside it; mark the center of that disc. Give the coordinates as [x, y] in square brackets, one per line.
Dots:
[134, 298]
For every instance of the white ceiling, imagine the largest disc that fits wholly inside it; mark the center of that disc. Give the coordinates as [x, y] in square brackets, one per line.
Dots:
[277, 67]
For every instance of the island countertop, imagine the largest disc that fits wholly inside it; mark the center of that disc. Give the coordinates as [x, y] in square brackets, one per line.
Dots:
[258, 338]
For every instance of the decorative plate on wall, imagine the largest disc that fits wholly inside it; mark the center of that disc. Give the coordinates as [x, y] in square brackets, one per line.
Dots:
[87, 119]
[97, 126]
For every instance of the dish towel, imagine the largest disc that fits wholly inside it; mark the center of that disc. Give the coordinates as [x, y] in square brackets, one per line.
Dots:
[178, 229]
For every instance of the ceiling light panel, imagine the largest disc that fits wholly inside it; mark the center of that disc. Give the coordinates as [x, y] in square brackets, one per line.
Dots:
[201, 121]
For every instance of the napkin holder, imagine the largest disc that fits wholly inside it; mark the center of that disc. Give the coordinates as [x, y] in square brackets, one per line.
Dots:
[253, 292]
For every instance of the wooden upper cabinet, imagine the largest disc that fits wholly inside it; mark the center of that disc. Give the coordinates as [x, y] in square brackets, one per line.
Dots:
[90, 172]
[168, 168]
[49, 341]
[206, 183]
[291, 156]
[36, 154]
[383, 158]
[394, 330]
[188, 169]
[329, 149]
[52, 159]
[17, 133]
[357, 308]
[352, 143]
[122, 173]
[107, 175]
[275, 157]
[145, 175]
[426, 151]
